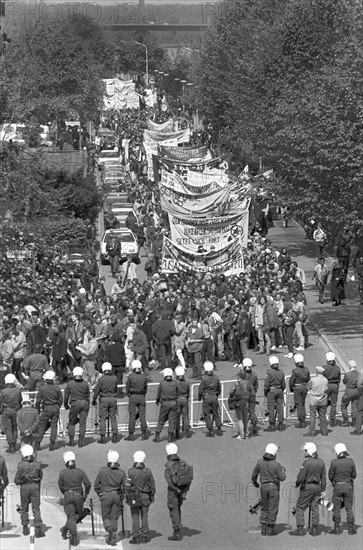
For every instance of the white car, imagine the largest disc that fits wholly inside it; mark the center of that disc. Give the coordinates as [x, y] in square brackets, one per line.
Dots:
[129, 246]
[105, 155]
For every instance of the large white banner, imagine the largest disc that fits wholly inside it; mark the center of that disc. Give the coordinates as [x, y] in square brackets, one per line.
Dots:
[120, 95]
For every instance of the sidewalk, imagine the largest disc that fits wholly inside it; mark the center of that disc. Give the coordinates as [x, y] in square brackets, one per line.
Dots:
[340, 329]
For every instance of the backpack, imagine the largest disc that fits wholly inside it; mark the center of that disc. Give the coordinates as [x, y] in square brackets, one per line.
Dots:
[182, 473]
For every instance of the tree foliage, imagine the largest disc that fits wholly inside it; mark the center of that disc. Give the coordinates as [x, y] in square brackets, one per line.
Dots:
[285, 78]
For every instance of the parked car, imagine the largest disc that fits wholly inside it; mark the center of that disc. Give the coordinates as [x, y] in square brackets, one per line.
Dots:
[105, 155]
[129, 246]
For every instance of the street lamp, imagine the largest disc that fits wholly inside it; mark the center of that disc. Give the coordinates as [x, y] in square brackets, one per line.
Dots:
[146, 57]
[183, 82]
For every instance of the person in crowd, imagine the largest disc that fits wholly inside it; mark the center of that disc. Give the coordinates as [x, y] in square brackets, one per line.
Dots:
[113, 249]
[106, 393]
[110, 488]
[35, 365]
[351, 394]
[194, 344]
[49, 400]
[311, 481]
[359, 412]
[162, 332]
[342, 474]
[58, 352]
[337, 291]
[321, 274]
[115, 354]
[140, 494]
[320, 238]
[271, 474]
[75, 486]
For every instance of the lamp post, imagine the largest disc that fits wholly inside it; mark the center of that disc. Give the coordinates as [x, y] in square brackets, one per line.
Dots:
[183, 82]
[146, 57]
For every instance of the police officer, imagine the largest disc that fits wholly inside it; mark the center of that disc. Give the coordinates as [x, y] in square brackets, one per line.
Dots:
[136, 389]
[10, 403]
[106, 392]
[209, 390]
[342, 473]
[4, 479]
[110, 487]
[332, 374]
[35, 365]
[271, 474]
[141, 478]
[182, 402]
[77, 398]
[29, 476]
[243, 393]
[298, 386]
[167, 397]
[251, 377]
[27, 419]
[75, 487]
[49, 401]
[274, 391]
[176, 494]
[351, 394]
[312, 482]
[359, 413]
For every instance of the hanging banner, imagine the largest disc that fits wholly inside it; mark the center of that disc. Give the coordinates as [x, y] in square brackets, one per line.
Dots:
[183, 136]
[167, 126]
[216, 204]
[183, 153]
[183, 166]
[120, 95]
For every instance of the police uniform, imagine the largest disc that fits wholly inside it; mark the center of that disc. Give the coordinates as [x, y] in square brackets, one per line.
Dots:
[312, 482]
[27, 420]
[71, 482]
[175, 495]
[274, 391]
[332, 374]
[4, 479]
[77, 397]
[342, 473]
[141, 477]
[182, 405]
[298, 386]
[252, 378]
[351, 395]
[271, 474]
[136, 389]
[29, 475]
[167, 397]
[10, 403]
[110, 487]
[49, 401]
[209, 390]
[106, 391]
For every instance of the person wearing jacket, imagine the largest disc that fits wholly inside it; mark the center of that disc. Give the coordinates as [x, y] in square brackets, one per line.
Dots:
[77, 399]
[140, 480]
[262, 324]
[35, 365]
[27, 420]
[136, 389]
[179, 338]
[342, 473]
[333, 375]
[311, 480]
[194, 343]
[106, 393]
[182, 402]
[274, 391]
[244, 329]
[29, 476]
[243, 393]
[113, 249]
[318, 387]
[298, 385]
[10, 403]
[209, 391]
[162, 332]
[110, 487]
[351, 394]
[59, 353]
[271, 474]
[139, 346]
[75, 487]
[176, 495]
[49, 401]
[89, 350]
[167, 397]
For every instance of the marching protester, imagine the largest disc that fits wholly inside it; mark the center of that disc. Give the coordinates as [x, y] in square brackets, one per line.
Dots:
[342, 473]
[49, 400]
[110, 487]
[140, 494]
[106, 393]
[75, 487]
[179, 476]
[209, 391]
[271, 474]
[136, 389]
[77, 399]
[311, 480]
[29, 476]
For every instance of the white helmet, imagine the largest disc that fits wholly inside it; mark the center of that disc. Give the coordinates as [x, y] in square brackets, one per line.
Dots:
[208, 366]
[273, 360]
[247, 363]
[26, 398]
[179, 371]
[330, 356]
[49, 375]
[9, 379]
[112, 456]
[106, 366]
[310, 448]
[26, 451]
[77, 371]
[82, 291]
[271, 449]
[139, 457]
[68, 456]
[298, 358]
[340, 448]
[171, 449]
[168, 372]
[136, 365]
[352, 365]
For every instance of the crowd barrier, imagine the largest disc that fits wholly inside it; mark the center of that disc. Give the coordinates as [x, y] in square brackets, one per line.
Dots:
[195, 408]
